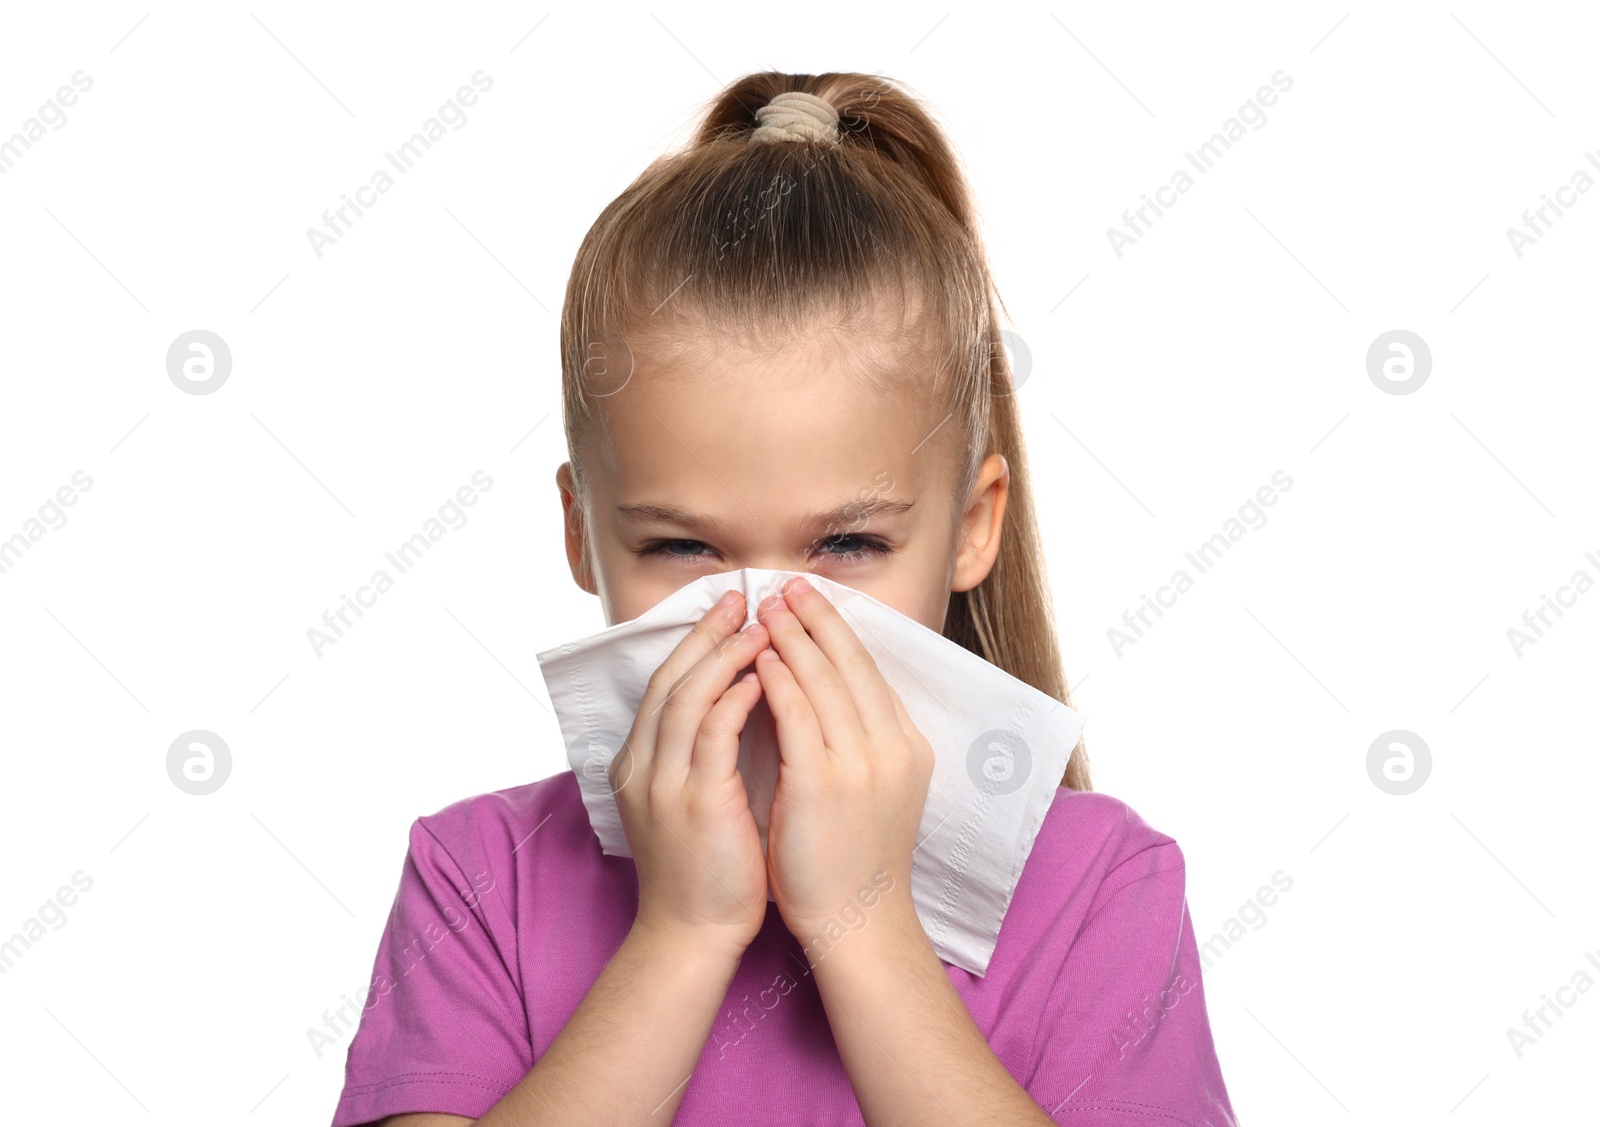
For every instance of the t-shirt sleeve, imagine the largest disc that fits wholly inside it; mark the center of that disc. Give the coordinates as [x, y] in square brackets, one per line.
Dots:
[443, 1026]
[1124, 1039]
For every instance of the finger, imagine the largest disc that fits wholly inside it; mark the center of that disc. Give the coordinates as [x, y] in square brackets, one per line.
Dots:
[821, 683]
[839, 642]
[716, 749]
[623, 767]
[923, 748]
[800, 743]
[697, 691]
[713, 629]
[900, 714]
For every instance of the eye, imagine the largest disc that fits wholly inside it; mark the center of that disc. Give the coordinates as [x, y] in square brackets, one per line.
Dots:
[865, 547]
[664, 548]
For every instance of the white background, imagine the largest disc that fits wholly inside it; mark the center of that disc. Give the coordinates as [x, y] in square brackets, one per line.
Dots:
[369, 384]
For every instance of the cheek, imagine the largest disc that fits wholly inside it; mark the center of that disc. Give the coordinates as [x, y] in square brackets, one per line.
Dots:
[922, 598]
[624, 601]
[924, 585]
[631, 586]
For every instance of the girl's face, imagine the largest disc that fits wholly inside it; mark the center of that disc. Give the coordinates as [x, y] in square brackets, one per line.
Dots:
[783, 461]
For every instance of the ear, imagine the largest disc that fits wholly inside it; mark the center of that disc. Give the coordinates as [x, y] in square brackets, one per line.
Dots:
[577, 538]
[981, 524]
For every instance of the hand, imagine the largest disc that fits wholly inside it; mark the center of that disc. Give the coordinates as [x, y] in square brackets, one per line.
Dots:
[683, 802]
[853, 769]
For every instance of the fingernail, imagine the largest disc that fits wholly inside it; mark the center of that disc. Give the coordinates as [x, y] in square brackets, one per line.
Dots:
[796, 586]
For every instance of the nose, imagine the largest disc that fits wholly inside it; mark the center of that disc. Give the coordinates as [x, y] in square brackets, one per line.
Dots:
[783, 563]
[775, 560]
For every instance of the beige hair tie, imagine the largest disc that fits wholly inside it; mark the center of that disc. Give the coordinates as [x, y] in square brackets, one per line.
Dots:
[797, 116]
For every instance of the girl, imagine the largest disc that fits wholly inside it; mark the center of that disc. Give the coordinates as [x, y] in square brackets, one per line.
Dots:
[780, 349]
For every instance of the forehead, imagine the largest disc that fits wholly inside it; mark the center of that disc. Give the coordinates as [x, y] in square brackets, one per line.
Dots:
[748, 434]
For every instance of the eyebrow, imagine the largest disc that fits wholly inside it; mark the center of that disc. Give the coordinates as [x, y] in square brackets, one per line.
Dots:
[851, 512]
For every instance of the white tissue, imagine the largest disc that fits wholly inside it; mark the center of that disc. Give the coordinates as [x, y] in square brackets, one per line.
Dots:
[1000, 745]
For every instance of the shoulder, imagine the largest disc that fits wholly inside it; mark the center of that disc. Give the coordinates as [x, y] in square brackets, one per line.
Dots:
[1105, 951]
[1091, 846]
[1111, 831]
[492, 827]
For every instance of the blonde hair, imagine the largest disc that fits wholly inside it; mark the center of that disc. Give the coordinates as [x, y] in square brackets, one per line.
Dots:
[764, 235]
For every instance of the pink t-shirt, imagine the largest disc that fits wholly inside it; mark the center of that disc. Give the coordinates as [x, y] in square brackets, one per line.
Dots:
[507, 912]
